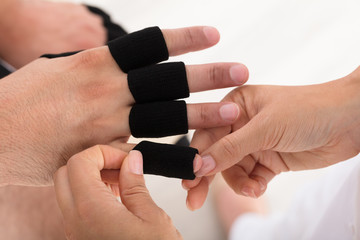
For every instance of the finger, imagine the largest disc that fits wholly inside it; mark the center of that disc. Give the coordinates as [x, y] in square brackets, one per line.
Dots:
[189, 184]
[216, 75]
[123, 146]
[263, 176]
[209, 115]
[197, 195]
[149, 117]
[184, 40]
[84, 172]
[234, 147]
[133, 192]
[110, 176]
[204, 138]
[63, 192]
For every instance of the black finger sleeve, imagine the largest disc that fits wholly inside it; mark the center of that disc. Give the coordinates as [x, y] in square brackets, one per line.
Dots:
[162, 82]
[139, 49]
[158, 119]
[168, 160]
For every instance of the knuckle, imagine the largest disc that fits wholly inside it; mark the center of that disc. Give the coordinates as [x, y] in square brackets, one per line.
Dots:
[215, 74]
[229, 148]
[135, 191]
[204, 114]
[90, 59]
[189, 37]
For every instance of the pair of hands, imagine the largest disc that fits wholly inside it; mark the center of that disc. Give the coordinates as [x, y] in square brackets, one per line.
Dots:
[280, 128]
[318, 127]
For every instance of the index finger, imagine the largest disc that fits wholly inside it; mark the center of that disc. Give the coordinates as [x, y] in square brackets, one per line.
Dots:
[84, 171]
[183, 40]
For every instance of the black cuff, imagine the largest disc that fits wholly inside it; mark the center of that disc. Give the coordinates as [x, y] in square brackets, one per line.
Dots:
[162, 82]
[168, 160]
[158, 119]
[139, 49]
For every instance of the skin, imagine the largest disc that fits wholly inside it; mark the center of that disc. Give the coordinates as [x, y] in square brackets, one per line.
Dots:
[54, 108]
[102, 216]
[31, 28]
[317, 127]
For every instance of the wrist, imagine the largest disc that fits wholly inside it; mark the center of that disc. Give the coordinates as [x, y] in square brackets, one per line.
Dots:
[346, 92]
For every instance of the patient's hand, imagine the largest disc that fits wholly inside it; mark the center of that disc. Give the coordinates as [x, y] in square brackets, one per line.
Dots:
[52, 109]
[90, 209]
[31, 28]
[279, 129]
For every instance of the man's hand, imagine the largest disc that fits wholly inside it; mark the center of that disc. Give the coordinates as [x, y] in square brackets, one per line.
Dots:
[52, 109]
[31, 28]
[91, 210]
[279, 129]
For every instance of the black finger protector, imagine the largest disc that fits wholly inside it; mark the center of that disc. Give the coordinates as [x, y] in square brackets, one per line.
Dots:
[162, 82]
[158, 119]
[139, 49]
[168, 160]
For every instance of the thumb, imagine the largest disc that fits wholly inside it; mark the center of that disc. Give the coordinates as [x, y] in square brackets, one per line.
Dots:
[232, 148]
[133, 192]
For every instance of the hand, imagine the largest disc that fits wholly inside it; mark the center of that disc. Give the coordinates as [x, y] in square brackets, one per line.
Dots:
[53, 109]
[279, 129]
[31, 28]
[90, 209]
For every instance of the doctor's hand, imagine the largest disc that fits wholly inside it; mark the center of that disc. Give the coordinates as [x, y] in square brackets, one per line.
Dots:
[92, 211]
[280, 128]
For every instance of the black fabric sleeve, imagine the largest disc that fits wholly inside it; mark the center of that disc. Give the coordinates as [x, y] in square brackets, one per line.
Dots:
[162, 82]
[139, 49]
[168, 160]
[158, 119]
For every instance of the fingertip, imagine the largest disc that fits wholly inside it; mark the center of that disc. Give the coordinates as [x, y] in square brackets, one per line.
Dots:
[239, 74]
[229, 111]
[135, 162]
[212, 35]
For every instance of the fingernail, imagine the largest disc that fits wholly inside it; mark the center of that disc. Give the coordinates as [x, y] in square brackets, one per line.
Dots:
[229, 112]
[248, 192]
[239, 74]
[135, 162]
[208, 164]
[197, 163]
[211, 34]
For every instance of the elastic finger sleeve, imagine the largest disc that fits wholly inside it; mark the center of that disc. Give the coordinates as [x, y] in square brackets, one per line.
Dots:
[162, 82]
[158, 119]
[168, 160]
[139, 49]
